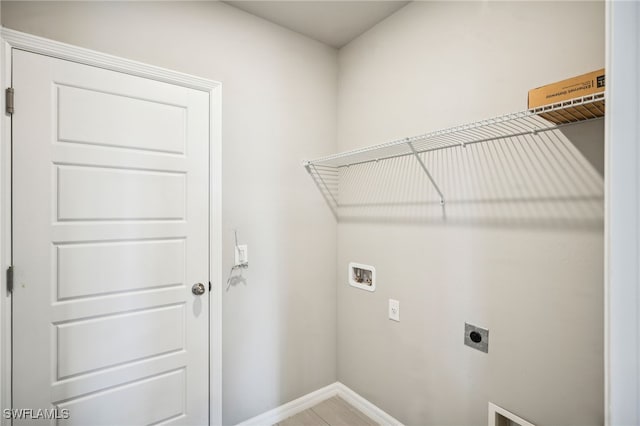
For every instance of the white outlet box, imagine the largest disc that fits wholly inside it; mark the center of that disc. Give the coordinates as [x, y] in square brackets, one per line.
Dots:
[242, 254]
[394, 310]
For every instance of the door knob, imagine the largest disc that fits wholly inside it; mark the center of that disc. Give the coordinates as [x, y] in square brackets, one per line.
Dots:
[198, 289]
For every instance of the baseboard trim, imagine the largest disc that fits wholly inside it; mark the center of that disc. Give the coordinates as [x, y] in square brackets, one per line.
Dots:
[292, 408]
[374, 412]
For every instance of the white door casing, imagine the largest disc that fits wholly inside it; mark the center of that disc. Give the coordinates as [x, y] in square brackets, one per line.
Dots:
[110, 231]
[622, 215]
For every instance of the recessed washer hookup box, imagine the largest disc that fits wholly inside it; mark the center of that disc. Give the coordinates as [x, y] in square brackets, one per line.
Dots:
[571, 88]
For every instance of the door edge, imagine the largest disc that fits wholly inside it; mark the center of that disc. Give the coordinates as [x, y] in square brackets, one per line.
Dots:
[5, 236]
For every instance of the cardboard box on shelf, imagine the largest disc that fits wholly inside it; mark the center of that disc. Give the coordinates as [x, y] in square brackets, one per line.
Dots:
[575, 87]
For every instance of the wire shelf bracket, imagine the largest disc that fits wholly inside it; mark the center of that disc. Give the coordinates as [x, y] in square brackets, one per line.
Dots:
[424, 168]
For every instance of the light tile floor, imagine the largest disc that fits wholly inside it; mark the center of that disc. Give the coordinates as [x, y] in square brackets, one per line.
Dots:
[332, 412]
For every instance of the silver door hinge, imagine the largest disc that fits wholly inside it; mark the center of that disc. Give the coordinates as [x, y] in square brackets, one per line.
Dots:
[8, 100]
[10, 279]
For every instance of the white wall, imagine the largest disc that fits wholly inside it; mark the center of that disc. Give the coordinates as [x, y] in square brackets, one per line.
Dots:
[530, 271]
[279, 103]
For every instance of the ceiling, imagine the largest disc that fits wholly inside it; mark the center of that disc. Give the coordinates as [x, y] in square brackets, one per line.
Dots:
[334, 23]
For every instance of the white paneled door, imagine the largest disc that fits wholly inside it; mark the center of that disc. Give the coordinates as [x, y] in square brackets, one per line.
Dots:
[110, 234]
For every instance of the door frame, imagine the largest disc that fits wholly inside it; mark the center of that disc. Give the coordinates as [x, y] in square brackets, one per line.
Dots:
[10, 39]
[622, 215]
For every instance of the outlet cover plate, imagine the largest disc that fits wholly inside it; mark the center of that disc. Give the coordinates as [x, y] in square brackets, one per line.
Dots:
[242, 254]
[481, 345]
[394, 310]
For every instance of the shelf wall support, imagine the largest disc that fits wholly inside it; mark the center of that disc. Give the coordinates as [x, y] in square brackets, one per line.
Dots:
[324, 184]
[424, 167]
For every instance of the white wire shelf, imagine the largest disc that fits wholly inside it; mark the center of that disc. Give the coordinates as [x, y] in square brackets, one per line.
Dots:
[325, 170]
[505, 126]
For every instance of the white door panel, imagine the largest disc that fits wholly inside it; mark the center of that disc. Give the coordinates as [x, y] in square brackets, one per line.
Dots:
[89, 269]
[110, 231]
[149, 332]
[147, 401]
[98, 193]
[161, 129]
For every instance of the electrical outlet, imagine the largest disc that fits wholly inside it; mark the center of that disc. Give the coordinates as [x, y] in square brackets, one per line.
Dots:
[394, 310]
[242, 254]
[476, 337]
